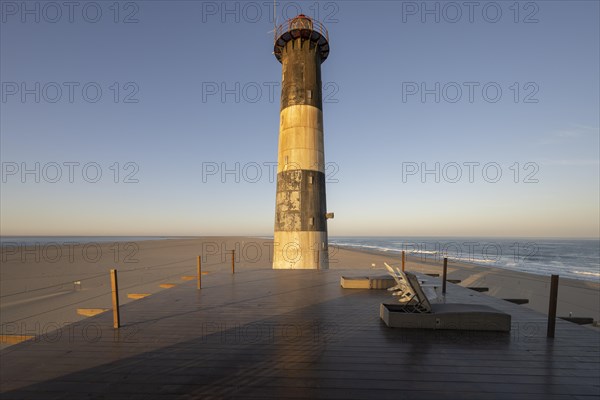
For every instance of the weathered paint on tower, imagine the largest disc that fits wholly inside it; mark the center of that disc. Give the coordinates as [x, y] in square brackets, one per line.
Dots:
[300, 240]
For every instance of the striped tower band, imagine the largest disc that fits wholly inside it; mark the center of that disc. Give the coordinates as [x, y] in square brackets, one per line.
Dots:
[300, 223]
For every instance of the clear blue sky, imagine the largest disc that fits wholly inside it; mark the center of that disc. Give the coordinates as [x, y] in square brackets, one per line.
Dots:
[377, 129]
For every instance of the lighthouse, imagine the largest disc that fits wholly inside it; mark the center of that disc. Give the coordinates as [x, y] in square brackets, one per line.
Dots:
[300, 238]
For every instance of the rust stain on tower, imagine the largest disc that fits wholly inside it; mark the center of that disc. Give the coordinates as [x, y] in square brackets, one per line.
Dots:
[301, 45]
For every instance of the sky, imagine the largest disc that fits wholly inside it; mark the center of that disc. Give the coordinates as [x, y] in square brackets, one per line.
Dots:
[162, 117]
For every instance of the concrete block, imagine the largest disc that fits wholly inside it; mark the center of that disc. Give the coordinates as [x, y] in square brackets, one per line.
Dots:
[463, 317]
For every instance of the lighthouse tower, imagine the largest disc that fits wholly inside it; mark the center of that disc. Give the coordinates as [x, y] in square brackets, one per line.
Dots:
[300, 240]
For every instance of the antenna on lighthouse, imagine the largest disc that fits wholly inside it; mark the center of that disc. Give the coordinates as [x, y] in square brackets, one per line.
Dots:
[274, 19]
[274, 15]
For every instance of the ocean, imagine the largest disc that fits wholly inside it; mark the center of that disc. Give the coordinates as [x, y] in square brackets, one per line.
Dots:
[571, 258]
[42, 240]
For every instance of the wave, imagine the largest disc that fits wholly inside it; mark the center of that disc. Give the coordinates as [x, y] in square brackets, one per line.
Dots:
[366, 246]
[587, 273]
[474, 260]
[386, 249]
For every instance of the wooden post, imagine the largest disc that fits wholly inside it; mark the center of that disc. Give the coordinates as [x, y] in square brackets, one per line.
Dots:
[552, 305]
[232, 261]
[199, 272]
[115, 298]
[403, 260]
[445, 275]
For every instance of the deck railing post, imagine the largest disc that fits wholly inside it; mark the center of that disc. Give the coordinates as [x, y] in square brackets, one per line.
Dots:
[444, 275]
[232, 261]
[199, 265]
[115, 298]
[552, 306]
[403, 260]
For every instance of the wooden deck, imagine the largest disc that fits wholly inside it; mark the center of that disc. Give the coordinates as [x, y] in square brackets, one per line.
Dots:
[297, 334]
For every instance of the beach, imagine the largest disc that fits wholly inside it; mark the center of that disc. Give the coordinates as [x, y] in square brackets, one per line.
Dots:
[43, 285]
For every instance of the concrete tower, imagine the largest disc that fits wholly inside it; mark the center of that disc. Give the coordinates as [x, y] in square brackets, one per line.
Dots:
[301, 45]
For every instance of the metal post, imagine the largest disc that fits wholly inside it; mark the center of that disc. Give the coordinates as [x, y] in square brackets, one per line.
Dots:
[115, 298]
[445, 275]
[552, 305]
[403, 260]
[199, 272]
[233, 261]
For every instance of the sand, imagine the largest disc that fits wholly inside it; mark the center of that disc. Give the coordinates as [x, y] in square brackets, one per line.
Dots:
[38, 293]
